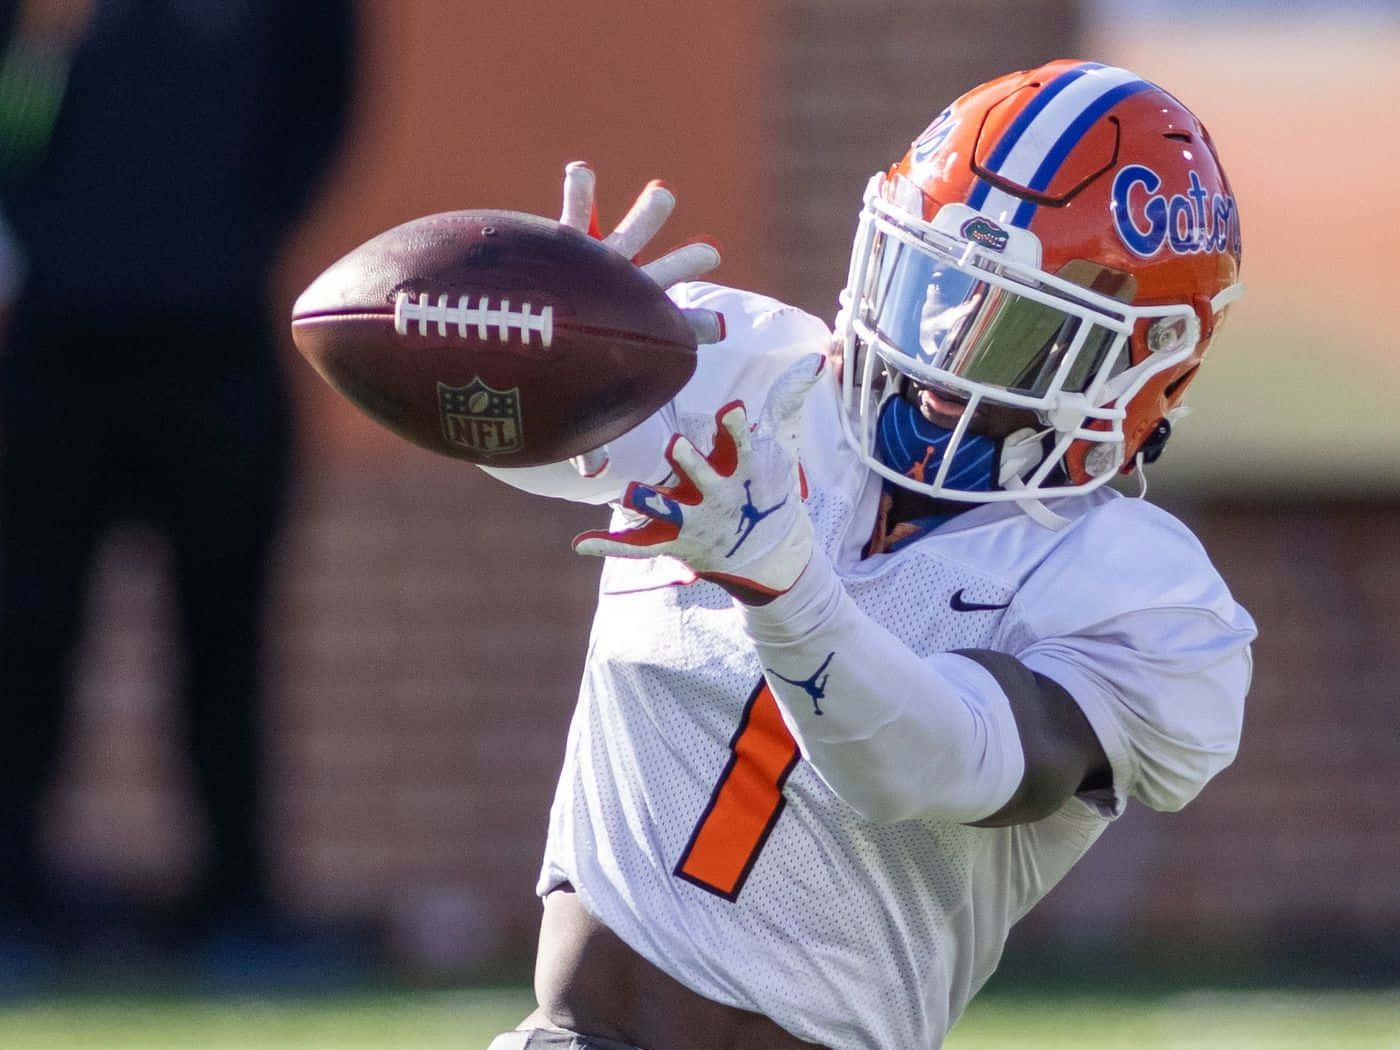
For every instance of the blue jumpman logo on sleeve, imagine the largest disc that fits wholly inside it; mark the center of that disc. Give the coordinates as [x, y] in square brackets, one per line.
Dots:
[814, 686]
[749, 517]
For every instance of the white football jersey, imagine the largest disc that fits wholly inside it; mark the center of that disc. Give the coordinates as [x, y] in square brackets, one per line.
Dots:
[686, 818]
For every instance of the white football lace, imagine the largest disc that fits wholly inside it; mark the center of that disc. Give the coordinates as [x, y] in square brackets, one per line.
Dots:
[480, 317]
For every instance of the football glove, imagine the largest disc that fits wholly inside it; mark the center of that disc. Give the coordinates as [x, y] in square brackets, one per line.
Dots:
[641, 223]
[734, 516]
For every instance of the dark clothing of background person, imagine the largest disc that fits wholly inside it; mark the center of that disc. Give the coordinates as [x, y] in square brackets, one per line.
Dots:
[140, 376]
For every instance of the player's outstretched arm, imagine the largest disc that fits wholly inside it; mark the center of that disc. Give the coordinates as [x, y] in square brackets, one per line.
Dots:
[1062, 754]
[972, 736]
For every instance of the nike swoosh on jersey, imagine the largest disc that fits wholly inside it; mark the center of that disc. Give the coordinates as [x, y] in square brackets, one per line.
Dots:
[960, 604]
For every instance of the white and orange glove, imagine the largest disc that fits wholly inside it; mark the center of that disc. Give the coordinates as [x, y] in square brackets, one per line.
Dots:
[734, 516]
[647, 215]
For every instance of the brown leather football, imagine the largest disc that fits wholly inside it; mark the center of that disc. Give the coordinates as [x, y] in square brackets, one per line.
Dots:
[494, 336]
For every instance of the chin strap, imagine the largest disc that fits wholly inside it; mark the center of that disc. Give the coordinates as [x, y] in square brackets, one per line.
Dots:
[1021, 452]
[1141, 475]
[1037, 511]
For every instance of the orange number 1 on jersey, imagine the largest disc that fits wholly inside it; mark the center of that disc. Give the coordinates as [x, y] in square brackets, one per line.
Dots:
[746, 802]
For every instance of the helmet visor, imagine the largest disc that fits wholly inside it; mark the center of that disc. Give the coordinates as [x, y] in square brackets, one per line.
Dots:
[959, 319]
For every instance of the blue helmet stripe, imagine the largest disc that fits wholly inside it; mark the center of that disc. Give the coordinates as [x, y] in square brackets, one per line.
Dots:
[1033, 109]
[1040, 181]
[1023, 120]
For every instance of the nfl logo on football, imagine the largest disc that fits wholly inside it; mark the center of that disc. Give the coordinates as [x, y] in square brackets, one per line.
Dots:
[479, 418]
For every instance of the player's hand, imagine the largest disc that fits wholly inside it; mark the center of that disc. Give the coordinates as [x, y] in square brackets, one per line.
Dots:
[641, 223]
[648, 214]
[734, 516]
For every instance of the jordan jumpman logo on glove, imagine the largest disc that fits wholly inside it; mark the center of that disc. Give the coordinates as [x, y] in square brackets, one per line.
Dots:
[736, 515]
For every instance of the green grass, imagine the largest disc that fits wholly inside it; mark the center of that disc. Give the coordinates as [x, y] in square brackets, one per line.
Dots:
[466, 1020]
[1203, 1020]
[460, 1020]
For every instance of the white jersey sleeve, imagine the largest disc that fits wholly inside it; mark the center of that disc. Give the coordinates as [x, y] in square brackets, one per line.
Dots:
[895, 735]
[762, 337]
[1155, 652]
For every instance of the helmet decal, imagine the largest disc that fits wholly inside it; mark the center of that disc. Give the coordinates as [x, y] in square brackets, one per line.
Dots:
[1032, 149]
[1183, 221]
[981, 230]
[933, 137]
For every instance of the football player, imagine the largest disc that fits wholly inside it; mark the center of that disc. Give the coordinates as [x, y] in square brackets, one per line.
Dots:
[877, 656]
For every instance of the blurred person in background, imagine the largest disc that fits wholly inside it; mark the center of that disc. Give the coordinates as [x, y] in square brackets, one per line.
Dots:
[154, 155]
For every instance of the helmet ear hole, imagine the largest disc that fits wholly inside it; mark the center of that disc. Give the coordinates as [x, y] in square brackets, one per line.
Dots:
[1170, 391]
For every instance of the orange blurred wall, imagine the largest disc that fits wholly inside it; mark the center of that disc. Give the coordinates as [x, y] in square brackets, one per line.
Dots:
[481, 105]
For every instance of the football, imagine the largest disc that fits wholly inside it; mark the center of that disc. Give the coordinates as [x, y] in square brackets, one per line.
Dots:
[496, 337]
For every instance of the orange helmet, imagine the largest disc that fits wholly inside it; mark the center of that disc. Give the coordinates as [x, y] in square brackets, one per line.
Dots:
[1057, 248]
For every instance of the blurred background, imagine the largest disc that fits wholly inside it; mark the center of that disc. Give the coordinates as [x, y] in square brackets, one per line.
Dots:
[427, 627]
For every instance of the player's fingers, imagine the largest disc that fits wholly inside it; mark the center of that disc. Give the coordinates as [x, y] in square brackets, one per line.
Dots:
[732, 437]
[651, 209]
[691, 467]
[782, 412]
[591, 463]
[683, 489]
[651, 539]
[685, 263]
[708, 325]
[579, 185]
